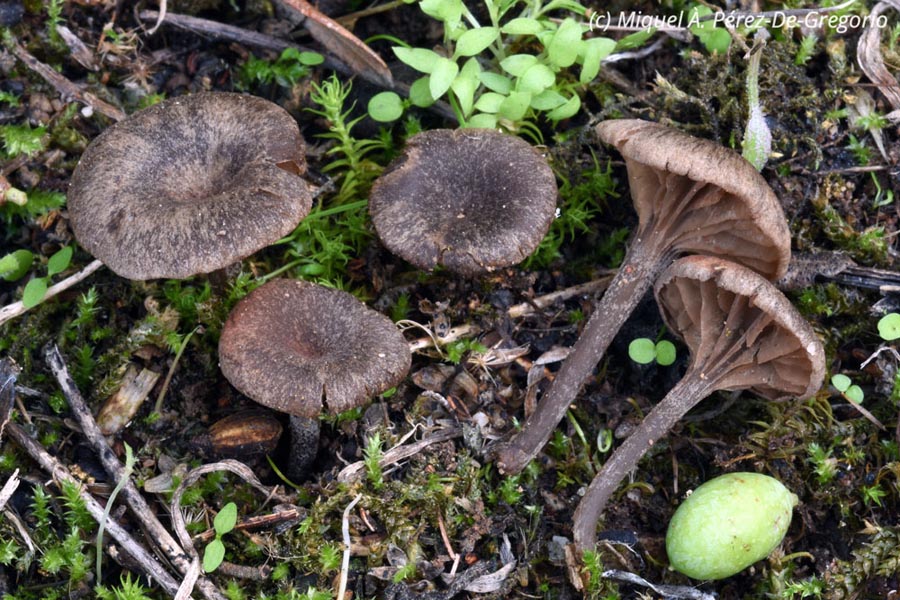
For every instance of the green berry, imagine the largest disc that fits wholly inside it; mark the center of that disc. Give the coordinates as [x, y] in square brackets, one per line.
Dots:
[727, 524]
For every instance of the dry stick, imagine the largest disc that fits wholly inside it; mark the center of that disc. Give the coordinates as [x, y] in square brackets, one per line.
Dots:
[58, 473]
[345, 534]
[11, 311]
[65, 87]
[114, 468]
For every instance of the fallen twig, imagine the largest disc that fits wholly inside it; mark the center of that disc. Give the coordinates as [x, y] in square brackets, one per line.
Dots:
[59, 473]
[66, 88]
[11, 311]
[345, 534]
[114, 468]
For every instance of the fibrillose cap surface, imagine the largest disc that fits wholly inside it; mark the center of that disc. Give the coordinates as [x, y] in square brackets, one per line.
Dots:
[705, 300]
[189, 185]
[745, 224]
[304, 349]
[471, 200]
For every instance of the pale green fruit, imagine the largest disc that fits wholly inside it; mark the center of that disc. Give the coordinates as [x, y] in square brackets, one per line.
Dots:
[728, 524]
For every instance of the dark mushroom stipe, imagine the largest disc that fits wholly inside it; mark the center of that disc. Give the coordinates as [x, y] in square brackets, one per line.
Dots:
[691, 196]
[742, 334]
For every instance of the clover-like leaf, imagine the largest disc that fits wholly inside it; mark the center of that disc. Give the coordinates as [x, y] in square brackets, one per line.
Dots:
[665, 353]
[854, 394]
[841, 382]
[385, 107]
[642, 351]
[889, 327]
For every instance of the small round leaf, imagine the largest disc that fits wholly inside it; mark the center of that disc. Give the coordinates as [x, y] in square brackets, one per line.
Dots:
[563, 50]
[495, 82]
[536, 79]
[489, 102]
[665, 353]
[855, 394]
[34, 292]
[841, 382]
[385, 107]
[213, 555]
[889, 327]
[419, 93]
[642, 351]
[311, 59]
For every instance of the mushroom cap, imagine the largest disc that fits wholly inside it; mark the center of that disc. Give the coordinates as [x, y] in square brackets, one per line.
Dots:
[189, 185]
[710, 301]
[745, 224]
[295, 346]
[472, 200]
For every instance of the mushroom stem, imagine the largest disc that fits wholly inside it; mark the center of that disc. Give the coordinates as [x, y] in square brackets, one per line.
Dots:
[304, 446]
[689, 391]
[642, 264]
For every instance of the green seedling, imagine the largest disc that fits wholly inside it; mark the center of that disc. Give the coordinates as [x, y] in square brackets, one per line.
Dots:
[214, 553]
[36, 289]
[644, 351]
[847, 388]
[373, 454]
[506, 73]
[889, 327]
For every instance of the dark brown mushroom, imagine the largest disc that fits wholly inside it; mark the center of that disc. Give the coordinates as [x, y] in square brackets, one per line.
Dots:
[304, 349]
[471, 200]
[189, 185]
[743, 334]
[692, 196]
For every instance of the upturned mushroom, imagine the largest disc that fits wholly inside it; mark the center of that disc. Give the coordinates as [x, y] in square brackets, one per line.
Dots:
[304, 349]
[692, 196]
[470, 200]
[743, 334]
[189, 186]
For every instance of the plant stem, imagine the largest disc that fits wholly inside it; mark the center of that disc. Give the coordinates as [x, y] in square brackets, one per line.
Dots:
[642, 264]
[691, 389]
